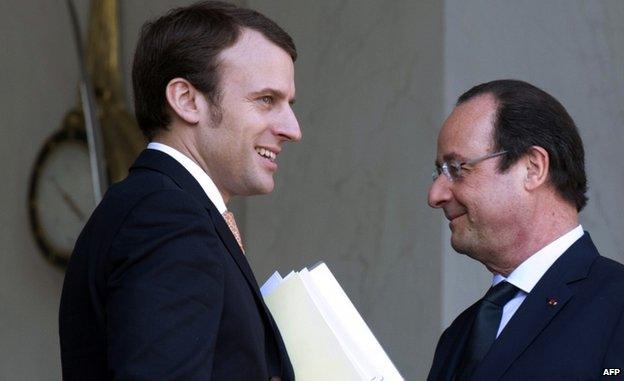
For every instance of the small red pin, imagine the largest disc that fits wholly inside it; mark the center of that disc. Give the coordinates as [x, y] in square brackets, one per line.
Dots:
[552, 302]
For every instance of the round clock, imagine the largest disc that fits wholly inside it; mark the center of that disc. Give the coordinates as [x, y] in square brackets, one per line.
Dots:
[61, 195]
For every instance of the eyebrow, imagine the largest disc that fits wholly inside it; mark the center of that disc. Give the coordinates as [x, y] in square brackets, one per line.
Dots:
[451, 156]
[276, 93]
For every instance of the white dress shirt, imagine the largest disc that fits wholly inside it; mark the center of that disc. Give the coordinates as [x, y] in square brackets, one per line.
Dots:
[195, 170]
[526, 276]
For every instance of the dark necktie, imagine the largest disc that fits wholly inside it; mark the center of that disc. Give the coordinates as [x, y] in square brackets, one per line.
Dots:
[485, 327]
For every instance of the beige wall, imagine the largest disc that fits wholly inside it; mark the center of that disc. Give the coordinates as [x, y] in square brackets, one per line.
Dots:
[352, 193]
[38, 86]
[374, 81]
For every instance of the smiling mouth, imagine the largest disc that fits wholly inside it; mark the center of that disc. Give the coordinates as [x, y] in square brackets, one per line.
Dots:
[455, 217]
[451, 219]
[266, 153]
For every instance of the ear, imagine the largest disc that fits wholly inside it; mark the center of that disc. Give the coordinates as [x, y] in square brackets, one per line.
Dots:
[536, 161]
[184, 100]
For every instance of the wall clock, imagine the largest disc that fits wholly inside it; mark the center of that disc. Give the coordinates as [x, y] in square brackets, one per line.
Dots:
[61, 195]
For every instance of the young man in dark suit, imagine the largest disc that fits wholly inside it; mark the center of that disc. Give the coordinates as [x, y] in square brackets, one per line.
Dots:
[510, 178]
[158, 286]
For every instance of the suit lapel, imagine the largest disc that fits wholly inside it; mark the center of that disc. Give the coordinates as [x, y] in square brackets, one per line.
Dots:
[455, 345]
[537, 310]
[227, 237]
[235, 251]
[161, 162]
[229, 240]
[530, 319]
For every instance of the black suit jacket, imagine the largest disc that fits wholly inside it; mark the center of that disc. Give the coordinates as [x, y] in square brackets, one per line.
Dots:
[575, 338]
[158, 289]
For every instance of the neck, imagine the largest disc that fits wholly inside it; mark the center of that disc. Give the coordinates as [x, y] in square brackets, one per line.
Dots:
[548, 220]
[187, 147]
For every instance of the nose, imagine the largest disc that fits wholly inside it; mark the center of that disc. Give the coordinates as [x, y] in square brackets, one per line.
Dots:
[440, 192]
[288, 126]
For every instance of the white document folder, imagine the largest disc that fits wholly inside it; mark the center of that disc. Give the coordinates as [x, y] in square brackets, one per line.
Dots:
[324, 334]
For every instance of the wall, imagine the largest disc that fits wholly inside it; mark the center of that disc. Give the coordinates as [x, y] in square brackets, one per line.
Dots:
[353, 192]
[374, 82]
[39, 74]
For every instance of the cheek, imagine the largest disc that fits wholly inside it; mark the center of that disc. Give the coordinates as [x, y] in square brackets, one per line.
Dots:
[501, 208]
[484, 201]
[251, 132]
[234, 140]
[470, 195]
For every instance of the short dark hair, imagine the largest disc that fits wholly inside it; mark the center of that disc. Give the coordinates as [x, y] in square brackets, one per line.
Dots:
[186, 43]
[528, 116]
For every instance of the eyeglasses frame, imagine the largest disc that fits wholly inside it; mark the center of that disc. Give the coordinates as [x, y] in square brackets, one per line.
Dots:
[444, 168]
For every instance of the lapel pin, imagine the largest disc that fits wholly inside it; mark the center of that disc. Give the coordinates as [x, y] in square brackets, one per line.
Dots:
[552, 302]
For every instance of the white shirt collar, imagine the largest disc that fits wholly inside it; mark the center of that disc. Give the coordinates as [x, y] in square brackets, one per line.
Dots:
[526, 276]
[195, 170]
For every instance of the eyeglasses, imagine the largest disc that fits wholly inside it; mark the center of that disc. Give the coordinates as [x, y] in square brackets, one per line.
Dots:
[453, 170]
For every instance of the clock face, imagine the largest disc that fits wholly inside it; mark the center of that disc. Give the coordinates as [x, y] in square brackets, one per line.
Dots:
[61, 198]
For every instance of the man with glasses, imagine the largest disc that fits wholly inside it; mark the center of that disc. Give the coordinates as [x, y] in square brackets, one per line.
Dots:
[510, 179]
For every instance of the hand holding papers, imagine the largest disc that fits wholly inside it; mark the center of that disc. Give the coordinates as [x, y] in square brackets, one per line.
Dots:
[324, 334]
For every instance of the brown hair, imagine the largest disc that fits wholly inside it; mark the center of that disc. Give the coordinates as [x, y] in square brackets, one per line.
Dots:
[186, 43]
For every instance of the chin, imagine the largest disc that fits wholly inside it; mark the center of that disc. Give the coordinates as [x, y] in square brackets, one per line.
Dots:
[265, 190]
[263, 187]
[459, 245]
[458, 248]
[471, 249]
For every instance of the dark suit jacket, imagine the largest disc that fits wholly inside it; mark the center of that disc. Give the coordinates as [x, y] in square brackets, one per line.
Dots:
[158, 289]
[576, 339]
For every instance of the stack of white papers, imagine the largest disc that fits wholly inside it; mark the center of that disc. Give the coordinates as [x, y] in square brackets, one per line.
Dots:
[324, 334]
